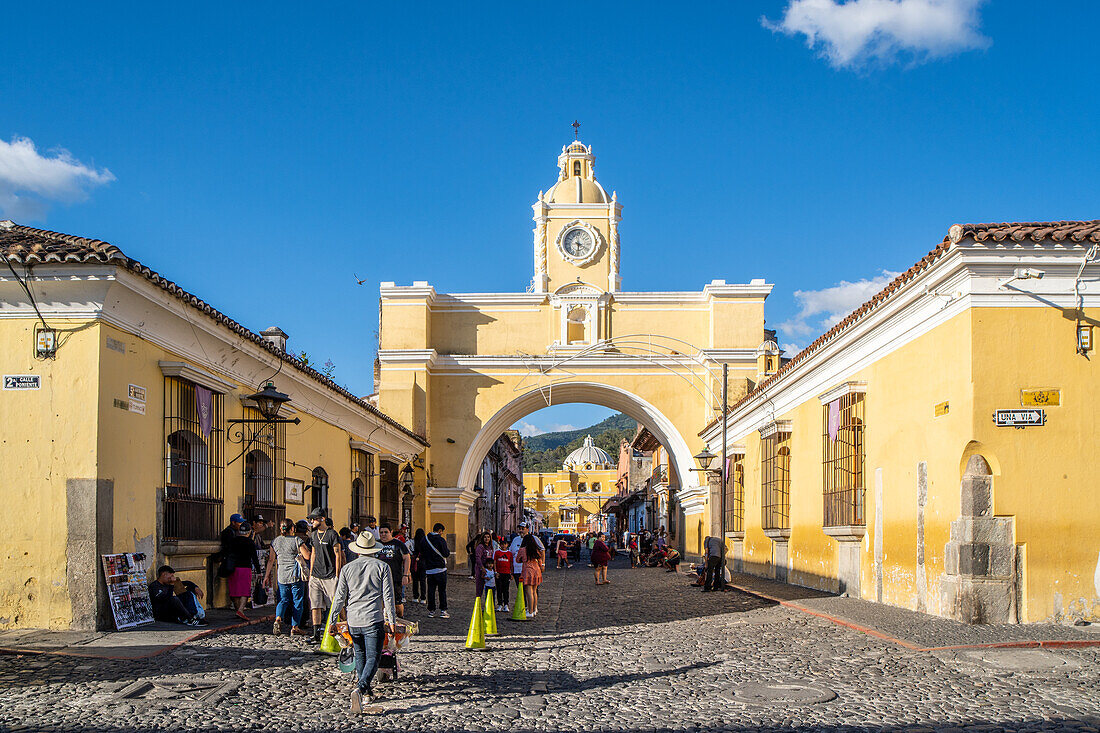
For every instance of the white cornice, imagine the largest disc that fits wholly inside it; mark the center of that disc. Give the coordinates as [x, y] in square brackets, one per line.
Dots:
[450, 500]
[730, 356]
[136, 306]
[842, 389]
[693, 499]
[419, 290]
[968, 276]
[196, 375]
[418, 357]
[776, 426]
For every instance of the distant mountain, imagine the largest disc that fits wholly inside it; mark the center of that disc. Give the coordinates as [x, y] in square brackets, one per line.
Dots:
[545, 453]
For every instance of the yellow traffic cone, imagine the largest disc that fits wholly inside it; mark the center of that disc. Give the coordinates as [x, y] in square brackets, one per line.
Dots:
[475, 637]
[490, 613]
[519, 611]
[329, 645]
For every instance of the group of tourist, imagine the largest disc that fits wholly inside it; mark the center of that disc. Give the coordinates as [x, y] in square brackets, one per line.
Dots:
[496, 562]
[651, 549]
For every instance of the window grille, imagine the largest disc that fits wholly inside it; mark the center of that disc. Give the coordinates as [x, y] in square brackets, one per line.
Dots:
[776, 485]
[388, 493]
[735, 495]
[194, 464]
[318, 490]
[264, 471]
[362, 486]
[843, 451]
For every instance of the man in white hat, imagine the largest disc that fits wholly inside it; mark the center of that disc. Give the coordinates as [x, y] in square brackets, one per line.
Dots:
[365, 590]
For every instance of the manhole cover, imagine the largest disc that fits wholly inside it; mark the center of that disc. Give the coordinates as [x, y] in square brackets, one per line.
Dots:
[1021, 660]
[186, 691]
[780, 693]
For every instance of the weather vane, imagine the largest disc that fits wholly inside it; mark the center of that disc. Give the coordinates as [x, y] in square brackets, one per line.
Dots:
[576, 130]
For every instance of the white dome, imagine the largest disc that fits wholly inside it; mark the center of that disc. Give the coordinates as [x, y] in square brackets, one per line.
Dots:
[587, 456]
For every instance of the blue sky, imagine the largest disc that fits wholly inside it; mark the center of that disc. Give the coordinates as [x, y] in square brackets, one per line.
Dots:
[233, 147]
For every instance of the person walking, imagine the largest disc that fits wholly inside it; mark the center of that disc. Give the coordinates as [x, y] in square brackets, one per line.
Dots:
[590, 543]
[715, 549]
[531, 556]
[364, 592]
[561, 549]
[601, 555]
[419, 579]
[393, 552]
[243, 558]
[326, 558]
[502, 564]
[283, 563]
[434, 551]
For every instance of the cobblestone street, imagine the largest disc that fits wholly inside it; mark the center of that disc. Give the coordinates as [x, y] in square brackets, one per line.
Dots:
[644, 653]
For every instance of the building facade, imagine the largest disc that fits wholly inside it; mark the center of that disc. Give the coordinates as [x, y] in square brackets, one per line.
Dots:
[122, 411]
[462, 368]
[572, 499]
[499, 508]
[933, 450]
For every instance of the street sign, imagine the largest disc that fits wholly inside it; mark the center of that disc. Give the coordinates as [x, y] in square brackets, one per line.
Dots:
[1019, 418]
[22, 381]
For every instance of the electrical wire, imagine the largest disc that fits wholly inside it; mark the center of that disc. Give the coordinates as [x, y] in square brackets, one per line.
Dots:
[27, 290]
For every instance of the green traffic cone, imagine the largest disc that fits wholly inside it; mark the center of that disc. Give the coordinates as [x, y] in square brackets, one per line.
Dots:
[490, 613]
[519, 611]
[475, 637]
[329, 645]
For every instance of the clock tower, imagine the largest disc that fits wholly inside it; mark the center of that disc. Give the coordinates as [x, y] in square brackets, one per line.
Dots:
[576, 227]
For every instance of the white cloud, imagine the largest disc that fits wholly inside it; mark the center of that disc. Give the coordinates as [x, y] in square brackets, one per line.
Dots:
[820, 310]
[851, 33]
[526, 429]
[29, 181]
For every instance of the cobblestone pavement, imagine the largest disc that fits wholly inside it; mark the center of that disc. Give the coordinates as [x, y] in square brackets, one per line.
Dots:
[644, 653]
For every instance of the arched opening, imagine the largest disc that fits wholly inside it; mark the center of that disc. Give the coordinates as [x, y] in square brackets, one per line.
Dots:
[576, 167]
[186, 474]
[676, 459]
[318, 490]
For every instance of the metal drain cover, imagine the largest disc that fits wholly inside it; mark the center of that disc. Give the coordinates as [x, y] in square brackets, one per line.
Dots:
[185, 691]
[779, 693]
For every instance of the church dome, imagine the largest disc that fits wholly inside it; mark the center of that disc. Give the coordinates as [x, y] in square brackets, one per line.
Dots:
[588, 456]
[576, 190]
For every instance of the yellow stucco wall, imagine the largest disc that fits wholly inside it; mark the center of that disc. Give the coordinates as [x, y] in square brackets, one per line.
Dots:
[49, 437]
[978, 361]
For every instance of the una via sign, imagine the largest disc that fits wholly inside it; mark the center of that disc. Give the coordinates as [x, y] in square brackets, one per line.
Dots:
[1019, 418]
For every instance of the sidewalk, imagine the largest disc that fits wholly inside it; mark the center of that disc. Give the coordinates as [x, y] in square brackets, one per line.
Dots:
[137, 643]
[911, 629]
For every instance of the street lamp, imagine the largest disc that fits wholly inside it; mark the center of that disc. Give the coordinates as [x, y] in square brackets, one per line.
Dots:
[407, 479]
[269, 401]
[704, 459]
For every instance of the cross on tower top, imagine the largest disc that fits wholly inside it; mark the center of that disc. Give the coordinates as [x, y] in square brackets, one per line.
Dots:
[576, 130]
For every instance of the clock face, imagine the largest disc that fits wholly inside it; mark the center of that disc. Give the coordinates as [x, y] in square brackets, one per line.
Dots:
[578, 243]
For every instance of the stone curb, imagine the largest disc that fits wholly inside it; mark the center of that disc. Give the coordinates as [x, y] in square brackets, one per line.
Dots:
[162, 650]
[1051, 644]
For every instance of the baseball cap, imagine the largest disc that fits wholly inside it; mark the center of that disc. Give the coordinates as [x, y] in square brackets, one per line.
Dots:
[523, 524]
[317, 513]
[236, 518]
[258, 518]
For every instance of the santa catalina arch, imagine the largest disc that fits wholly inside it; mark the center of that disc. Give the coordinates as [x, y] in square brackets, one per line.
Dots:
[462, 367]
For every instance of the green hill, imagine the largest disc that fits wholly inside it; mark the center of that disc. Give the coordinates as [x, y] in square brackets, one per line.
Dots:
[545, 453]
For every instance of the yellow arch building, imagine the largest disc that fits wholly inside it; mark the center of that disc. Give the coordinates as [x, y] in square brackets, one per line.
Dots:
[460, 368]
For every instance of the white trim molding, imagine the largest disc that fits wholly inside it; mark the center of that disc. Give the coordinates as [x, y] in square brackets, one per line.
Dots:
[450, 500]
[693, 500]
[842, 389]
[776, 426]
[184, 370]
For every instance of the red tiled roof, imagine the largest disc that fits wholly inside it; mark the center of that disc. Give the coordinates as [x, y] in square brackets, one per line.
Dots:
[1057, 231]
[30, 246]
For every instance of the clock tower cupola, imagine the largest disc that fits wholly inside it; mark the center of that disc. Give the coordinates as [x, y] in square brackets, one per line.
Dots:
[576, 227]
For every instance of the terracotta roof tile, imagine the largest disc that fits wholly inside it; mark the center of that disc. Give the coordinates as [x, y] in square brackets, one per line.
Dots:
[1077, 232]
[30, 246]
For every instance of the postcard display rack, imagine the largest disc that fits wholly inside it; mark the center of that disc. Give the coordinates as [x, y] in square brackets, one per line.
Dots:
[128, 589]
